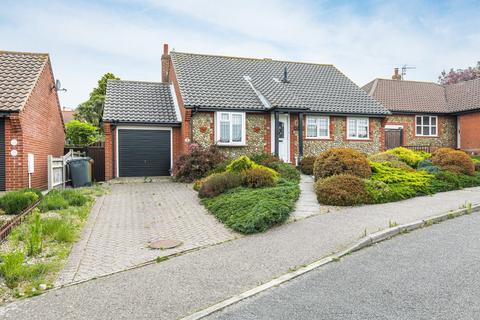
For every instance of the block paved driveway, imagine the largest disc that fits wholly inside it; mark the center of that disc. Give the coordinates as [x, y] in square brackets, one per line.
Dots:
[122, 223]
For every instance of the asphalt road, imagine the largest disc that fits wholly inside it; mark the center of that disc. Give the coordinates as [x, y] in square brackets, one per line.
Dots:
[432, 273]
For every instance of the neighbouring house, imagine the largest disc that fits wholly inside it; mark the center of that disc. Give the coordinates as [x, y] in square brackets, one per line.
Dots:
[427, 114]
[31, 125]
[67, 114]
[242, 105]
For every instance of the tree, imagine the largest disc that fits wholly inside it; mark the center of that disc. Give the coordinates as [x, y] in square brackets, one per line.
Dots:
[455, 76]
[81, 133]
[91, 111]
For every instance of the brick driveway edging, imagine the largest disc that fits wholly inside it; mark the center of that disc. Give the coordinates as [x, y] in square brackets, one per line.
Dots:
[121, 224]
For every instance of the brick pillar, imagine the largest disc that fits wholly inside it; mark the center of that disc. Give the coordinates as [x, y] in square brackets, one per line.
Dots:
[15, 167]
[109, 152]
[165, 64]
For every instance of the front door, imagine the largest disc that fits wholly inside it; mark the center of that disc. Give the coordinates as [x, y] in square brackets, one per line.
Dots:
[283, 136]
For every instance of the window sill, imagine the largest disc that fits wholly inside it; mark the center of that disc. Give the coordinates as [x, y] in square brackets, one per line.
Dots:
[360, 139]
[420, 136]
[231, 144]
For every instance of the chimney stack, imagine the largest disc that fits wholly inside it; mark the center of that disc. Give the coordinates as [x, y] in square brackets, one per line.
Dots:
[165, 64]
[396, 75]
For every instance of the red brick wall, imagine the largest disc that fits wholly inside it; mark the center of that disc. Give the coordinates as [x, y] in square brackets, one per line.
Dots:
[39, 130]
[469, 135]
[109, 157]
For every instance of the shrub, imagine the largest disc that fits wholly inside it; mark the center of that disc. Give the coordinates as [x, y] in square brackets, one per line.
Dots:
[254, 210]
[341, 161]
[342, 190]
[59, 229]
[380, 192]
[265, 159]
[11, 268]
[240, 164]
[73, 197]
[220, 167]
[34, 190]
[218, 183]
[258, 177]
[34, 237]
[427, 165]
[403, 184]
[393, 159]
[53, 201]
[286, 171]
[197, 163]
[16, 201]
[454, 161]
[199, 183]
[408, 156]
[306, 165]
[441, 152]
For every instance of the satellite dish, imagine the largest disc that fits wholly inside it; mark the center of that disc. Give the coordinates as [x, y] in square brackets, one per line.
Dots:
[58, 86]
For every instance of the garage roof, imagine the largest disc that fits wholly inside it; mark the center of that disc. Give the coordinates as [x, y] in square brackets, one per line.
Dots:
[140, 101]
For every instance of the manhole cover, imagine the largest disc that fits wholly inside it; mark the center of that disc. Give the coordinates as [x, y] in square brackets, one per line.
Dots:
[164, 244]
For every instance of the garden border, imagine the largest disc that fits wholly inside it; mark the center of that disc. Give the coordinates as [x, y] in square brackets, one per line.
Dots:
[366, 241]
[17, 220]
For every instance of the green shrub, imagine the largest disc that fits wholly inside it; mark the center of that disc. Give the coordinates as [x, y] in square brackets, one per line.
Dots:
[406, 184]
[249, 210]
[476, 162]
[393, 159]
[342, 190]
[455, 161]
[427, 166]
[240, 164]
[16, 201]
[306, 165]
[53, 201]
[286, 171]
[220, 167]
[445, 181]
[199, 183]
[380, 192]
[34, 190]
[441, 152]
[11, 267]
[408, 156]
[337, 161]
[258, 177]
[218, 183]
[265, 159]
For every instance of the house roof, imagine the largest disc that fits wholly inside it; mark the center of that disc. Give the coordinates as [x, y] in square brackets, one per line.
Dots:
[68, 115]
[19, 72]
[139, 101]
[430, 97]
[219, 82]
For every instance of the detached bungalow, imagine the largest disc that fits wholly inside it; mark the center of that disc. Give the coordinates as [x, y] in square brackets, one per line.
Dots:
[429, 114]
[242, 105]
[31, 125]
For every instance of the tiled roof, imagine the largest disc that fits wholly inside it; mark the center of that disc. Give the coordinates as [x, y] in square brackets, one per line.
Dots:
[68, 115]
[464, 96]
[138, 101]
[219, 82]
[19, 72]
[430, 97]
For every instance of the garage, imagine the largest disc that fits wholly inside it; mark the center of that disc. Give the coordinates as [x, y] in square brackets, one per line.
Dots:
[144, 152]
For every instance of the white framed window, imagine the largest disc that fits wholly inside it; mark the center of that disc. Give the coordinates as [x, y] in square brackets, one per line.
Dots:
[426, 126]
[230, 128]
[318, 127]
[357, 128]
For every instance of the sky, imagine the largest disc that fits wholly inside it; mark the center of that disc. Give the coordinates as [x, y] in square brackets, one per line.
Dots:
[363, 39]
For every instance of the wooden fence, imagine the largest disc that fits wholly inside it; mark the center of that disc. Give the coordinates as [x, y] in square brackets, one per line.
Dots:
[428, 149]
[95, 151]
[58, 169]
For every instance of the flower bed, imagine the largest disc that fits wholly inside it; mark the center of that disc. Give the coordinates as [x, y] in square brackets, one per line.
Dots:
[35, 251]
[250, 194]
[396, 174]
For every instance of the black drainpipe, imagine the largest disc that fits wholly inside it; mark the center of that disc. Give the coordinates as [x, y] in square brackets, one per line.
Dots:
[276, 137]
[300, 136]
[114, 138]
[194, 111]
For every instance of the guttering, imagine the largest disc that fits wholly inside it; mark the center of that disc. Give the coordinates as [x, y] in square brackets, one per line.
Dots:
[4, 114]
[142, 123]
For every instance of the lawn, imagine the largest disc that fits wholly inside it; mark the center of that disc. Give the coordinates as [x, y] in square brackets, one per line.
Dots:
[36, 250]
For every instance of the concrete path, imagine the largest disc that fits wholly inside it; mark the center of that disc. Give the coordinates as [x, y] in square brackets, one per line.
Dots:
[307, 204]
[185, 284]
[123, 222]
[429, 274]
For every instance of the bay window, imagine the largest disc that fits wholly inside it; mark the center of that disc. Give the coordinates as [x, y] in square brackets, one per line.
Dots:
[426, 126]
[230, 128]
[318, 127]
[357, 128]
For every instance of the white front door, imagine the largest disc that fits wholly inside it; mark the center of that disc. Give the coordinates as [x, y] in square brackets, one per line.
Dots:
[283, 135]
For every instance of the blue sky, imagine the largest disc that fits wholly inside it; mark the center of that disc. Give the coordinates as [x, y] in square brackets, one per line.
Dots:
[364, 39]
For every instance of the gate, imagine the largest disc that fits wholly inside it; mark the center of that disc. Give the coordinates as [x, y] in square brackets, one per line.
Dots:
[393, 138]
[95, 151]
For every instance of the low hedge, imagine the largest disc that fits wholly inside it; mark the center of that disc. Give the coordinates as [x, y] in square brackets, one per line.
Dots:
[249, 210]
[218, 183]
[306, 165]
[15, 202]
[338, 161]
[342, 190]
